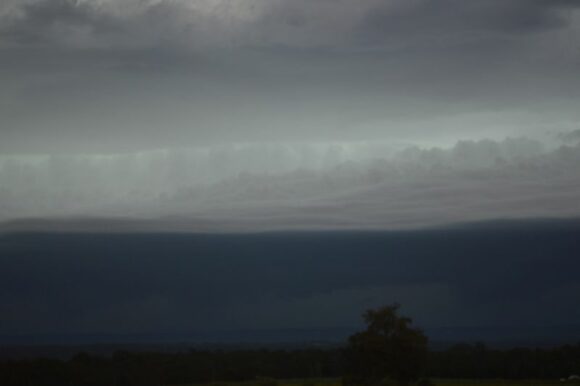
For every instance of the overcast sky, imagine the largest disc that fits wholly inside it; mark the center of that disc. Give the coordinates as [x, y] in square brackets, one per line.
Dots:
[150, 101]
[110, 76]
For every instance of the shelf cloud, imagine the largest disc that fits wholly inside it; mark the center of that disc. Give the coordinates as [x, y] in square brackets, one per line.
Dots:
[327, 113]
[256, 187]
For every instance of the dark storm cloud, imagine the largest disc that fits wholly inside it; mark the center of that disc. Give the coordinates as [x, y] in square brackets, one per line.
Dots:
[39, 22]
[257, 22]
[464, 19]
[107, 76]
[81, 25]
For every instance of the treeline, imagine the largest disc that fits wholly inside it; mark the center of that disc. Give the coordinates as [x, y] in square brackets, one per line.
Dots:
[143, 369]
[261, 366]
[478, 361]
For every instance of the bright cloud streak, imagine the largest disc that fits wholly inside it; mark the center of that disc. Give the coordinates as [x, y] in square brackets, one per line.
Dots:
[300, 186]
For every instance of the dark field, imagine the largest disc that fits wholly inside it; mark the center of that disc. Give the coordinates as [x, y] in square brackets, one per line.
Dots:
[291, 287]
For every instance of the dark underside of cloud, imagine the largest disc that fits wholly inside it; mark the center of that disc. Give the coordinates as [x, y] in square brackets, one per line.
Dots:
[500, 273]
[150, 23]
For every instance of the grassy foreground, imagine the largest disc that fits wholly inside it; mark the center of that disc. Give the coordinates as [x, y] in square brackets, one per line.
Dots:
[495, 382]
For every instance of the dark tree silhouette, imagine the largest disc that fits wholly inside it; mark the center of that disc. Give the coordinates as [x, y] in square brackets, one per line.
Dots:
[389, 349]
